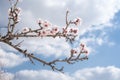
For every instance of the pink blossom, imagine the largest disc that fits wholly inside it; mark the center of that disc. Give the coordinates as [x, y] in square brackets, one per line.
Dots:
[86, 52]
[14, 14]
[46, 24]
[73, 51]
[43, 33]
[82, 45]
[55, 30]
[51, 32]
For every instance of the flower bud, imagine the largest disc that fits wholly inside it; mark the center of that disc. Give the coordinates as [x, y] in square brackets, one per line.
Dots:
[77, 21]
[39, 21]
[26, 29]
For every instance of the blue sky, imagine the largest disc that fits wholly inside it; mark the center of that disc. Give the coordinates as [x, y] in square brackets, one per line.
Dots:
[99, 31]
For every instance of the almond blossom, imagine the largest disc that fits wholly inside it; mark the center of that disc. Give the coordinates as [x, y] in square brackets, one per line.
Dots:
[46, 24]
[42, 33]
[55, 30]
[84, 49]
[73, 51]
[14, 14]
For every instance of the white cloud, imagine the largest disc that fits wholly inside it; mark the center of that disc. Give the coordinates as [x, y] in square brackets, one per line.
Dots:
[111, 43]
[48, 46]
[10, 59]
[100, 41]
[97, 73]
[97, 38]
[5, 75]
[97, 12]
[41, 75]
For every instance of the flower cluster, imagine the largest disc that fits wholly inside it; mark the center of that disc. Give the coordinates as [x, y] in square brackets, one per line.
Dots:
[83, 49]
[44, 24]
[70, 31]
[54, 30]
[48, 29]
[14, 14]
[45, 32]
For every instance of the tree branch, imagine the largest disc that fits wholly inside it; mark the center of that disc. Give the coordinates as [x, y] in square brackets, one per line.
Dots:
[67, 32]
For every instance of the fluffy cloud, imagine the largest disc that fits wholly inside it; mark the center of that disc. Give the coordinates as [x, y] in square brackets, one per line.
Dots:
[41, 75]
[6, 76]
[48, 46]
[101, 39]
[97, 73]
[10, 59]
